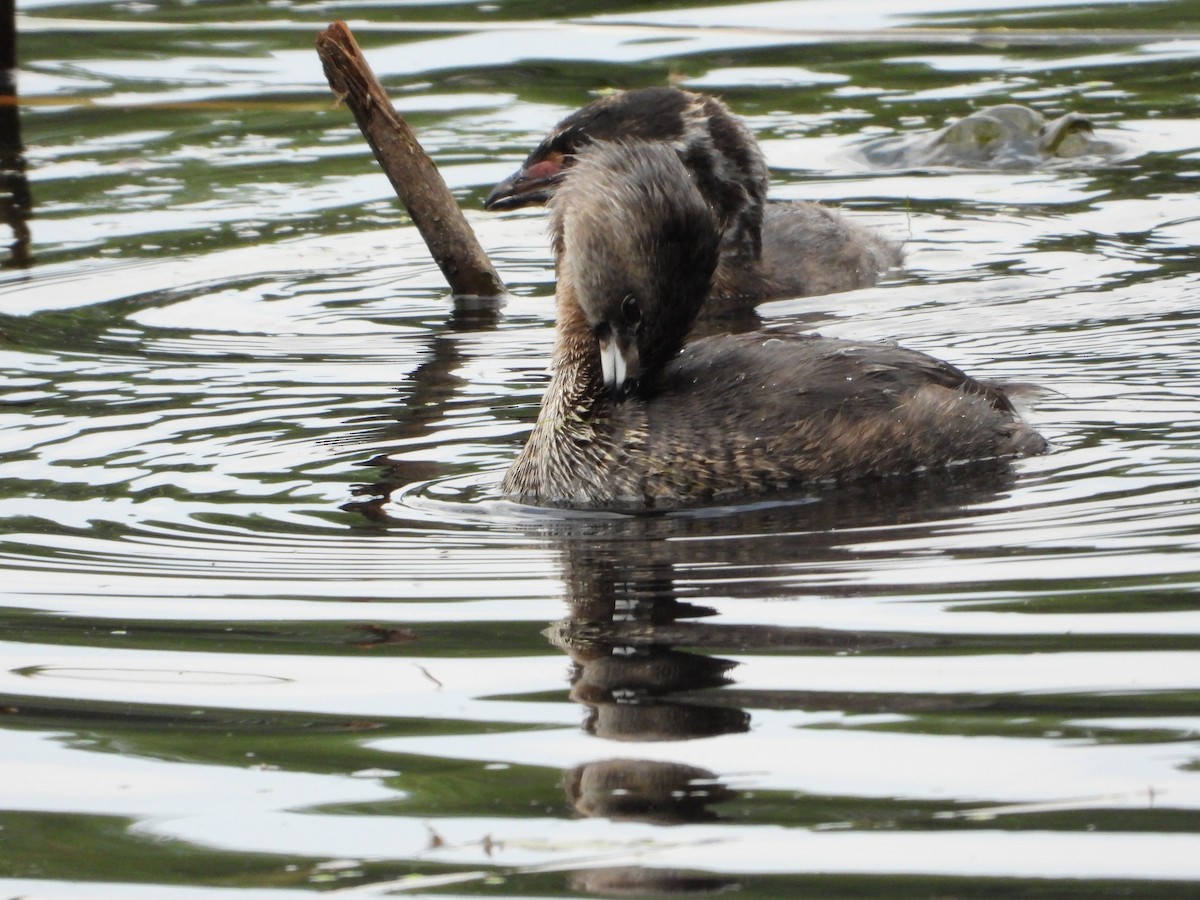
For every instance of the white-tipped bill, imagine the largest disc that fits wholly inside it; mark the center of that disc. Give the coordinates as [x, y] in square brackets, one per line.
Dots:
[612, 364]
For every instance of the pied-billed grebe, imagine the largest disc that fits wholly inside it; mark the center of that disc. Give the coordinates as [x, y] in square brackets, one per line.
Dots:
[769, 250]
[630, 421]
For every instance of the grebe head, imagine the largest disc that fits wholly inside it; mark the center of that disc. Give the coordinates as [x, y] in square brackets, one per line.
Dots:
[637, 243]
[715, 146]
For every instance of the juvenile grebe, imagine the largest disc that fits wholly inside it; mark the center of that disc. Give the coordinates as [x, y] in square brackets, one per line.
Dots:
[769, 250]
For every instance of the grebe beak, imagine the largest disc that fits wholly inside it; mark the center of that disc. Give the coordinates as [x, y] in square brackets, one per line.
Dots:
[526, 187]
[619, 364]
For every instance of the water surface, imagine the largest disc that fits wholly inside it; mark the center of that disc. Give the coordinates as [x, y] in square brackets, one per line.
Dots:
[271, 629]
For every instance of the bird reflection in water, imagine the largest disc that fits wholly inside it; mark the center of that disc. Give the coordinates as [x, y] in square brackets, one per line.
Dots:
[643, 643]
[645, 640]
[636, 686]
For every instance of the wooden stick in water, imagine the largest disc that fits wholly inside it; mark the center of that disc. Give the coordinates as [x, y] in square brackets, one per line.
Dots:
[413, 174]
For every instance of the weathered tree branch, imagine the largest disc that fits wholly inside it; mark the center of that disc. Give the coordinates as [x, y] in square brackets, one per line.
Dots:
[412, 173]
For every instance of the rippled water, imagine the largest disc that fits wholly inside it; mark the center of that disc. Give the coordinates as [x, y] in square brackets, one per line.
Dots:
[270, 627]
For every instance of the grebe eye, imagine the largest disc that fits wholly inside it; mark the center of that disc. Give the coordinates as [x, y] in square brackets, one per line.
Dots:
[631, 310]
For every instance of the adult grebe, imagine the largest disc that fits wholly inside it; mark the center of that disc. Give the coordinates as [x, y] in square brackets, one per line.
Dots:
[633, 418]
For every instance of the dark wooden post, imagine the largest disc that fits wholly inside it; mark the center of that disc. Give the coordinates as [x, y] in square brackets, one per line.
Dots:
[15, 200]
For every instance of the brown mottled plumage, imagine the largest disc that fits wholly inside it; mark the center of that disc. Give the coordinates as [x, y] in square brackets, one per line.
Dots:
[630, 421]
[769, 250]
